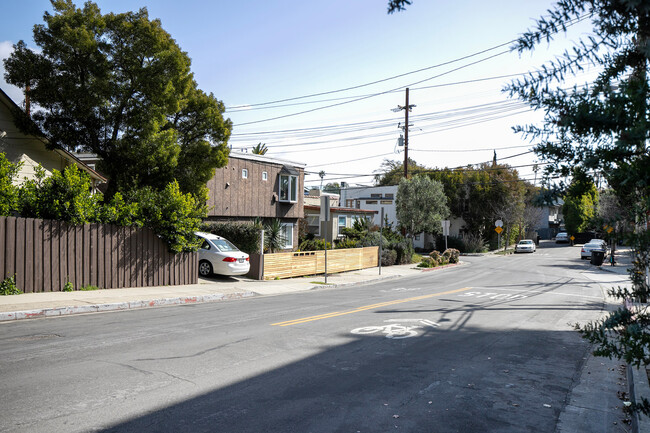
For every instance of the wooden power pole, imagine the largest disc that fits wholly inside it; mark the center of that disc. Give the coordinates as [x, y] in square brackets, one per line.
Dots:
[406, 109]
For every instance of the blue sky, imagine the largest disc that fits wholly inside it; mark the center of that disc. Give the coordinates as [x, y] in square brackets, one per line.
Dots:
[249, 52]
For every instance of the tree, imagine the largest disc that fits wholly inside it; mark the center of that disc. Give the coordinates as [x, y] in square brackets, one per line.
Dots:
[391, 172]
[601, 127]
[118, 85]
[421, 205]
[580, 203]
[260, 149]
[333, 188]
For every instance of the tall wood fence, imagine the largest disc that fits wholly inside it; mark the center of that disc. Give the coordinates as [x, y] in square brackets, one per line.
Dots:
[287, 265]
[44, 255]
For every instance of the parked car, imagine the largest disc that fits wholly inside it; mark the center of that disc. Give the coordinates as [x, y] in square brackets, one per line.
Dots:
[598, 241]
[219, 256]
[525, 246]
[585, 252]
[562, 237]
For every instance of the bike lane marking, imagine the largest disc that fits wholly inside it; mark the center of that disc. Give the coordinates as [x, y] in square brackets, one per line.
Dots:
[365, 308]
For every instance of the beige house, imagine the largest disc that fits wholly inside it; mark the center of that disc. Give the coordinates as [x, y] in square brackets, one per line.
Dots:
[32, 150]
[340, 217]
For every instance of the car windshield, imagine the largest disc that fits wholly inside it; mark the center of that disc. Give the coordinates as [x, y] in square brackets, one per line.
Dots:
[525, 242]
[593, 246]
[224, 245]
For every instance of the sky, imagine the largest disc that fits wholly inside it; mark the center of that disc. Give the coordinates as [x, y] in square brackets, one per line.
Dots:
[319, 82]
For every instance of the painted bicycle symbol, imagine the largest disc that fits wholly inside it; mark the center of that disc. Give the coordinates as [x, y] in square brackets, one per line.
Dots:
[395, 332]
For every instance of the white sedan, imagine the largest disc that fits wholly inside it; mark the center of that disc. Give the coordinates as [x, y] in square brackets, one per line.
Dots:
[525, 246]
[219, 256]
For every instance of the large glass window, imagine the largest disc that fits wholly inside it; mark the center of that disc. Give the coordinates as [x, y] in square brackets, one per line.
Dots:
[288, 188]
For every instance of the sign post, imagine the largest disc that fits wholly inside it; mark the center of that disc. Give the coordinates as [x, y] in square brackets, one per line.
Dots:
[498, 229]
[445, 230]
[325, 217]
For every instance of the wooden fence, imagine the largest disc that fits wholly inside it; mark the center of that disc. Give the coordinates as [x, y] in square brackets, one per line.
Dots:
[286, 265]
[44, 255]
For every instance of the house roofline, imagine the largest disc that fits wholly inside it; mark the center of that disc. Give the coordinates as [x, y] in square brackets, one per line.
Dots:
[264, 158]
[62, 152]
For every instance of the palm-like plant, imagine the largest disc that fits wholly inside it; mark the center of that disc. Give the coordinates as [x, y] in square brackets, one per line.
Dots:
[274, 238]
[260, 149]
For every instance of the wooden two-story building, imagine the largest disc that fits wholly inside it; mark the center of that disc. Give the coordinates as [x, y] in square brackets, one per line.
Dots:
[257, 186]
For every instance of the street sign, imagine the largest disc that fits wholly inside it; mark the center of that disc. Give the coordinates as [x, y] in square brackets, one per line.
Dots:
[498, 223]
[445, 227]
[498, 230]
[610, 229]
[572, 238]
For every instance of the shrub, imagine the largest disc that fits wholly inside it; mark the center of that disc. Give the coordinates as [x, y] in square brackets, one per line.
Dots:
[404, 250]
[371, 239]
[172, 215]
[68, 287]
[388, 257]
[474, 243]
[427, 262]
[452, 242]
[347, 243]
[314, 245]
[64, 196]
[8, 191]
[452, 255]
[245, 236]
[8, 287]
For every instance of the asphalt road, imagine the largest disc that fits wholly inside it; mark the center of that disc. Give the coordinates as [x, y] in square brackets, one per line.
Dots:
[484, 347]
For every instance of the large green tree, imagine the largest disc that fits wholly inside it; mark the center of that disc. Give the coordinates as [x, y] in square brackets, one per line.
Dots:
[601, 126]
[118, 85]
[580, 203]
[421, 204]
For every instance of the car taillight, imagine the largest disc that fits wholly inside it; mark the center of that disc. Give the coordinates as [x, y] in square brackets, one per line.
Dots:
[230, 259]
[247, 259]
[583, 250]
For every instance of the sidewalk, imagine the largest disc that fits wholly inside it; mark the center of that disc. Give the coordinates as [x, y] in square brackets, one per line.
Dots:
[637, 378]
[35, 305]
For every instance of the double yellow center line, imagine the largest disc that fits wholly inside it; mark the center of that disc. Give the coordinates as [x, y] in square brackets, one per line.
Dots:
[365, 308]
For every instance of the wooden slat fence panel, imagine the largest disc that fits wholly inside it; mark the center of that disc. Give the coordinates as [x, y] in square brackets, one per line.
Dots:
[44, 255]
[287, 265]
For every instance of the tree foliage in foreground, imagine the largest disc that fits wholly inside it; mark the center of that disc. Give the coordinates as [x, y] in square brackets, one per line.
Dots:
[119, 86]
[601, 127]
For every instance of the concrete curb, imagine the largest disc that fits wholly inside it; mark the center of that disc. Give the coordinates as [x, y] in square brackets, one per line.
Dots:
[127, 305]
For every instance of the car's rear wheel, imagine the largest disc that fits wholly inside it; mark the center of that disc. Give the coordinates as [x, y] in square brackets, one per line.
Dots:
[205, 268]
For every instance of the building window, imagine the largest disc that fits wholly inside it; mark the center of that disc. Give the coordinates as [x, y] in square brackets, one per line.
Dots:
[371, 201]
[265, 176]
[342, 222]
[313, 224]
[375, 195]
[386, 202]
[288, 188]
[244, 173]
[287, 235]
[349, 202]
[388, 195]
[417, 237]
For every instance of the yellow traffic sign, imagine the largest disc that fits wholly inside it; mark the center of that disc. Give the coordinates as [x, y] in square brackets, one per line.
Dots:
[610, 229]
[498, 230]
[572, 238]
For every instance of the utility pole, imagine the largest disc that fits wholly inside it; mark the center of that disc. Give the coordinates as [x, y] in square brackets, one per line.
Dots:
[406, 109]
